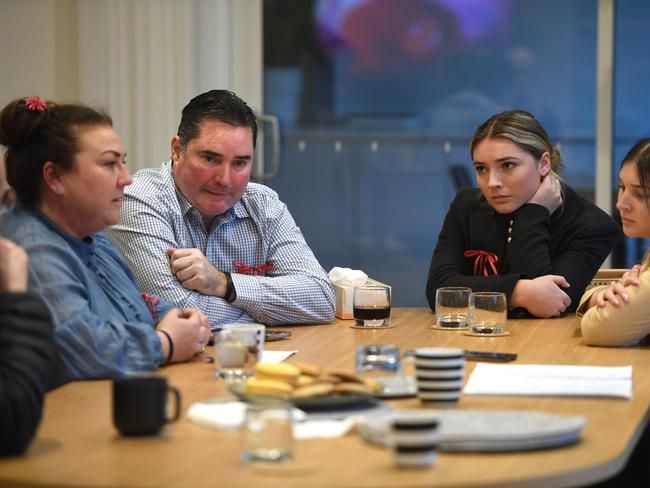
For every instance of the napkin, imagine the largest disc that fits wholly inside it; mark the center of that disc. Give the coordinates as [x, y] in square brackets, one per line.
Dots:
[323, 429]
[347, 277]
[229, 415]
[225, 415]
[276, 356]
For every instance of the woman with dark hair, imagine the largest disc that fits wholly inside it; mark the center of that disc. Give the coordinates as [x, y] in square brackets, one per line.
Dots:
[523, 231]
[67, 166]
[618, 314]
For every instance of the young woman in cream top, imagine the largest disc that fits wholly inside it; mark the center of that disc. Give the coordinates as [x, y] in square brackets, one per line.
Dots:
[619, 314]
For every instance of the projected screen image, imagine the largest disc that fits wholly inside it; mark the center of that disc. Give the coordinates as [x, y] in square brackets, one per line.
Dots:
[393, 57]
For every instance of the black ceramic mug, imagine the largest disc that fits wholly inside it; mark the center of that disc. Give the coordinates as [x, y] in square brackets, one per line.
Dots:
[140, 404]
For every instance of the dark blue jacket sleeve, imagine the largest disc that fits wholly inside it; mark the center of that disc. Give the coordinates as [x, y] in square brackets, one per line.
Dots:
[26, 368]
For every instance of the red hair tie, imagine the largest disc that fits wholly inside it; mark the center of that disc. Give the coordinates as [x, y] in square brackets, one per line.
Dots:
[35, 104]
[152, 306]
[483, 259]
[256, 270]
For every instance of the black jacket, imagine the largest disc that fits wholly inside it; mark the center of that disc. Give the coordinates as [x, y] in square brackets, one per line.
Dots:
[27, 368]
[573, 243]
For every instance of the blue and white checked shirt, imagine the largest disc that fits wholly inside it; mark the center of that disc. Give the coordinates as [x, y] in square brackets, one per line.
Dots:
[258, 230]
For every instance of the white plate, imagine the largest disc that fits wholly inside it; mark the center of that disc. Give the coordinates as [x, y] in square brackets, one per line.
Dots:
[490, 430]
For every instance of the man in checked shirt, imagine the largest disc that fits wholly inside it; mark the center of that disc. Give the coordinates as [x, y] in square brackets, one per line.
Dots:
[196, 231]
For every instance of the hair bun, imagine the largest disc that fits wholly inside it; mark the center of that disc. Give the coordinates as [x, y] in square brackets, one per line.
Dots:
[23, 119]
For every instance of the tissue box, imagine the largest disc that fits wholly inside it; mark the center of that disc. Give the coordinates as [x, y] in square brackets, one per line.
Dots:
[345, 298]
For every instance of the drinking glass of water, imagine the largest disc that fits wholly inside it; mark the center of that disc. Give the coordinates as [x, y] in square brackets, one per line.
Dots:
[381, 364]
[452, 307]
[377, 360]
[371, 306]
[238, 349]
[488, 311]
[267, 432]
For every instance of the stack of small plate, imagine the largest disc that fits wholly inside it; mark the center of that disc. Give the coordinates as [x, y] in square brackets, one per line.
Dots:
[486, 430]
[415, 439]
[439, 373]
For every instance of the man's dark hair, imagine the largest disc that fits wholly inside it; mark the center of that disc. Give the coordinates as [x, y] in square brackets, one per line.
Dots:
[218, 105]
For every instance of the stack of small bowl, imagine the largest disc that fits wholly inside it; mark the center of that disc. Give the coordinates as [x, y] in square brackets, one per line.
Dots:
[415, 439]
[440, 373]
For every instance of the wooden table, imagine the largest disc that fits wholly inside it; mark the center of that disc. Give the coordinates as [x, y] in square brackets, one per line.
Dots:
[77, 444]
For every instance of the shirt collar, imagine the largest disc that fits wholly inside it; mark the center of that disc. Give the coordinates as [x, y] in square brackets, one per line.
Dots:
[84, 248]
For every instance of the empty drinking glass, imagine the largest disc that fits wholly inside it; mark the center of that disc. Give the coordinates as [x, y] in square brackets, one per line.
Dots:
[377, 360]
[267, 433]
[488, 312]
[380, 363]
[452, 304]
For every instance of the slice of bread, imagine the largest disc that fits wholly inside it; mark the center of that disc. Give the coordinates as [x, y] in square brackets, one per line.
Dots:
[350, 387]
[257, 386]
[328, 378]
[304, 379]
[308, 369]
[345, 376]
[277, 371]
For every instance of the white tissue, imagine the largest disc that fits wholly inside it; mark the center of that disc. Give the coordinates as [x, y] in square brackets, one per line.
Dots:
[347, 277]
[229, 415]
[323, 429]
[226, 415]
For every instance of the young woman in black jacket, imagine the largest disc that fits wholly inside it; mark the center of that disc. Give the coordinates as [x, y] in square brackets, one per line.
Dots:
[523, 231]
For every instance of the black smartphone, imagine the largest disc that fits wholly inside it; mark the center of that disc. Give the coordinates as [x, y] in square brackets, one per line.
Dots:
[276, 335]
[269, 335]
[502, 357]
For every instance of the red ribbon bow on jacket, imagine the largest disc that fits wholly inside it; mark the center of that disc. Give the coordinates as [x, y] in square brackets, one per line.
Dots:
[257, 270]
[152, 305]
[483, 259]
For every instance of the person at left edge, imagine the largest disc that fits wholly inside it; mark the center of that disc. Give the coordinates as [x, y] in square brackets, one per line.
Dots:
[197, 232]
[27, 358]
[67, 165]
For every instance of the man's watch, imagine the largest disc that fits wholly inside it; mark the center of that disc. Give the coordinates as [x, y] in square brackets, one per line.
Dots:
[231, 294]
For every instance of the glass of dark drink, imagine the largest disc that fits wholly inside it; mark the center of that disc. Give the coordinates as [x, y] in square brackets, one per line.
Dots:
[372, 306]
